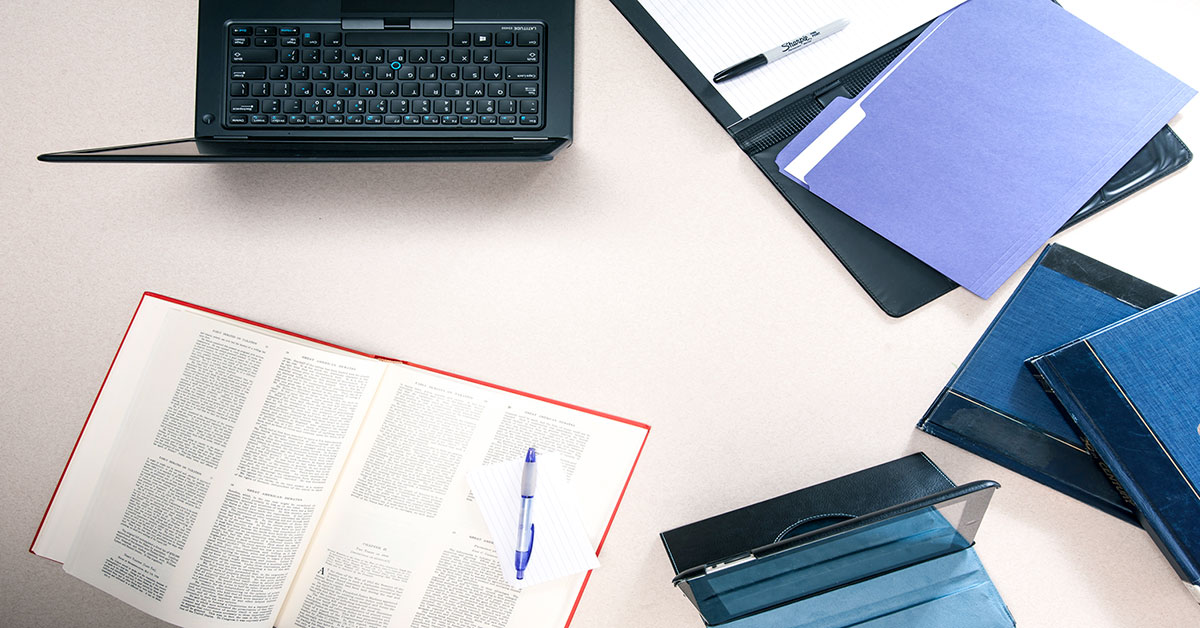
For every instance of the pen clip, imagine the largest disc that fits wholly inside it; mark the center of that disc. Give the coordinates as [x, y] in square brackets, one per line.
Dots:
[531, 529]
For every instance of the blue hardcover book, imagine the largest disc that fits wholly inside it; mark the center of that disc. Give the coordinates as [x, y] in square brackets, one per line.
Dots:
[1133, 391]
[995, 408]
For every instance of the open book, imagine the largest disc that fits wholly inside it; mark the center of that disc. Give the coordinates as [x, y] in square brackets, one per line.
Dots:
[233, 474]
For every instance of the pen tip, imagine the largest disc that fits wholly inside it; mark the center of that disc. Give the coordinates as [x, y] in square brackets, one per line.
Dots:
[531, 455]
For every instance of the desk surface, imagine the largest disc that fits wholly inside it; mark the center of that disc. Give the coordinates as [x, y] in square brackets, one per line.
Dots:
[650, 271]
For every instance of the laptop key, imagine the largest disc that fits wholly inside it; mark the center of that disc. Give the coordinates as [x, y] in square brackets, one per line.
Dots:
[521, 73]
[293, 105]
[239, 89]
[243, 106]
[249, 73]
[523, 90]
[518, 55]
[253, 55]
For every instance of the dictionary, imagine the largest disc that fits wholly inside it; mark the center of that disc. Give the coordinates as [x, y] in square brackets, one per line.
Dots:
[234, 474]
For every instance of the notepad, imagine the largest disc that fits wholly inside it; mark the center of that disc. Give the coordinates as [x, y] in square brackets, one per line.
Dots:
[560, 543]
[715, 34]
[979, 141]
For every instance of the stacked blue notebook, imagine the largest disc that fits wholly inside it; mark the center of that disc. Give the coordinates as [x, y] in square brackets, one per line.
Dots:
[1088, 380]
[1132, 389]
[994, 407]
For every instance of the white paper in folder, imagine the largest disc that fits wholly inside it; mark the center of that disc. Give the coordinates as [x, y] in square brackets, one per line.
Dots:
[715, 34]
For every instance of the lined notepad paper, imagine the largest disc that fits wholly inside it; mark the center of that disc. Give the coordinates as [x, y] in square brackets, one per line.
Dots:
[715, 34]
[560, 543]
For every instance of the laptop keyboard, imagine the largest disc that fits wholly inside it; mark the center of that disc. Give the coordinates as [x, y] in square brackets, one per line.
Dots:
[318, 77]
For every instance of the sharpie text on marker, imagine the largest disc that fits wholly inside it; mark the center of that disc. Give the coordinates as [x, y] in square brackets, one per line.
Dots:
[780, 51]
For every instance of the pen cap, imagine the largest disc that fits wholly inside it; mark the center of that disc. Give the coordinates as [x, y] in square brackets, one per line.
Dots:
[529, 474]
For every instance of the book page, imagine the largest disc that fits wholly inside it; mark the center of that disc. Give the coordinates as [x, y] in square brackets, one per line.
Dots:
[402, 544]
[715, 35]
[225, 457]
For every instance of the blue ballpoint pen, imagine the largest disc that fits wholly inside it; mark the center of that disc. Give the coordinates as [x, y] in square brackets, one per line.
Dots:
[525, 528]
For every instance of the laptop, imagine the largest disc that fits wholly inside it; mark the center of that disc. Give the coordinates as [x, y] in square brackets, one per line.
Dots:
[374, 80]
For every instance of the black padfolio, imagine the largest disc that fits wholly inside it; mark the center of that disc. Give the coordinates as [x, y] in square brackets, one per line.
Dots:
[898, 282]
[870, 490]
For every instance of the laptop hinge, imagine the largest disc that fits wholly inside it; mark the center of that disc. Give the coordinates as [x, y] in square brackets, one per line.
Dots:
[378, 24]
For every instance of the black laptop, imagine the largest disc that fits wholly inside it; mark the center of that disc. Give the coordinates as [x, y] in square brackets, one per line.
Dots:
[374, 80]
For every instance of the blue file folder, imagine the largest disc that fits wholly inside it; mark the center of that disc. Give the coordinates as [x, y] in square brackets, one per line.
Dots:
[985, 135]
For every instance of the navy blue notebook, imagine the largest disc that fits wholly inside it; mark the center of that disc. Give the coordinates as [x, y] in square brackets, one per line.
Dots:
[1133, 391]
[995, 408]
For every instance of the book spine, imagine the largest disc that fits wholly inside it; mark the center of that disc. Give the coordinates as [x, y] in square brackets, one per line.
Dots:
[1048, 387]
[1105, 398]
